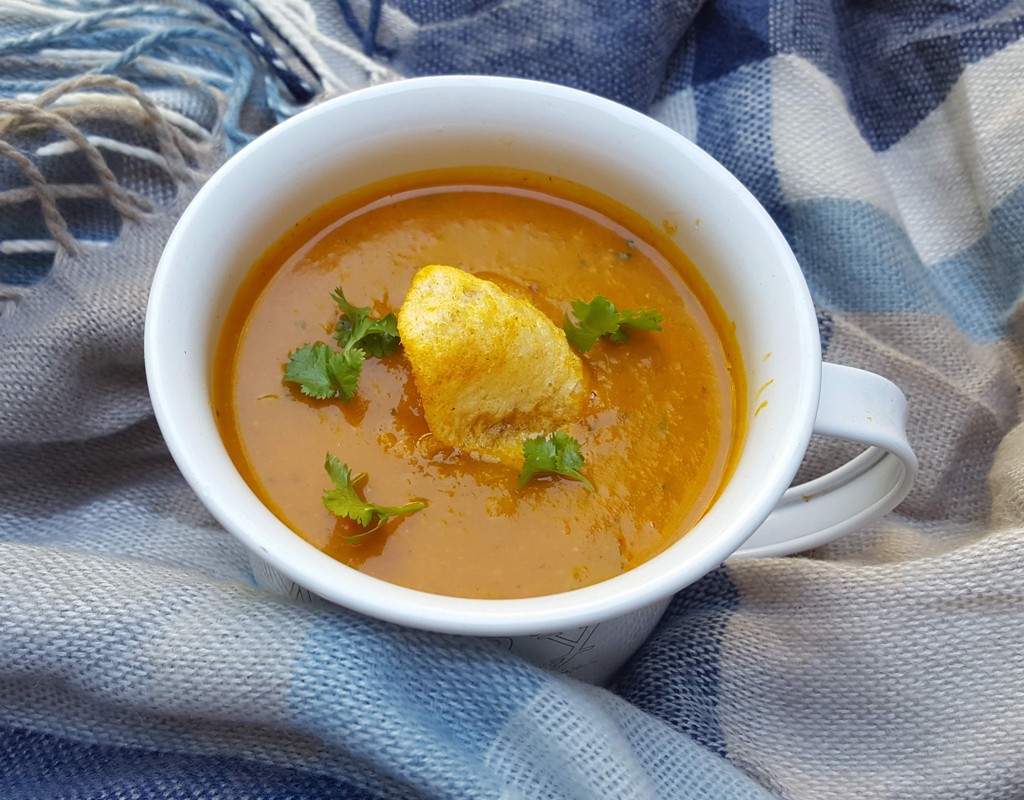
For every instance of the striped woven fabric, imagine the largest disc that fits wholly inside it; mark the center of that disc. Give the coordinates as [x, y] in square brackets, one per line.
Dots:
[139, 660]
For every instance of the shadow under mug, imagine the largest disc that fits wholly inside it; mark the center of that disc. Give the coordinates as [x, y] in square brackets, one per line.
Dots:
[451, 121]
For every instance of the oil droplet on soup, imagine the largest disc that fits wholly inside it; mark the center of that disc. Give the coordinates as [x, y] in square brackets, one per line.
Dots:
[659, 427]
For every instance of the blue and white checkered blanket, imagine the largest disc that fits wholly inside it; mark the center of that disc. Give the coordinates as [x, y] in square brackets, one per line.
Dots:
[138, 660]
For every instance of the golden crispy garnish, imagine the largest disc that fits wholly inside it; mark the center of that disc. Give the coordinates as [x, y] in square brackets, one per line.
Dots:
[491, 369]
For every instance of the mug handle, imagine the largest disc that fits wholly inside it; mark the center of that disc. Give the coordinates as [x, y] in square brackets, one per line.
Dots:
[858, 406]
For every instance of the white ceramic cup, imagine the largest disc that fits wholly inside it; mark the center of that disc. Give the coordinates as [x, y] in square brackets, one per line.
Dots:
[425, 123]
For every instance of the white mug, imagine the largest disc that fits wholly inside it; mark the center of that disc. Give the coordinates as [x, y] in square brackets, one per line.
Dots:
[436, 122]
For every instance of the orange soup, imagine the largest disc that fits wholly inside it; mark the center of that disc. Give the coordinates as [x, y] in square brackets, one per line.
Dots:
[658, 430]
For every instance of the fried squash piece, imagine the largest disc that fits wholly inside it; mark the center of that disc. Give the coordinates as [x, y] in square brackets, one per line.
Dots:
[491, 369]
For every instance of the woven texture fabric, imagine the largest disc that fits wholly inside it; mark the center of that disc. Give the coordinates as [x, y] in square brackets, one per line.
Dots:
[139, 660]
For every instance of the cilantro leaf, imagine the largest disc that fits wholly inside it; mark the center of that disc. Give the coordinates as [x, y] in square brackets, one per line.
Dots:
[600, 318]
[326, 374]
[345, 368]
[342, 500]
[558, 453]
[376, 337]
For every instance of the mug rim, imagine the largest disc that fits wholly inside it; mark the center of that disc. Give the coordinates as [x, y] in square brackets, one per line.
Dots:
[270, 540]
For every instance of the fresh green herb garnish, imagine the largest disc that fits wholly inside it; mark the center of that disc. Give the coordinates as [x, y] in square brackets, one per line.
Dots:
[375, 337]
[342, 500]
[325, 373]
[600, 318]
[558, 453]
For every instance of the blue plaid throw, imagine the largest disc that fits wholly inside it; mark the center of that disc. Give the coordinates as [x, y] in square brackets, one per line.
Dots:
[137, 658]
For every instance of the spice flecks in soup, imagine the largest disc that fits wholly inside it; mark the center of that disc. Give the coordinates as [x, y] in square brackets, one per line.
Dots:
[657, 424]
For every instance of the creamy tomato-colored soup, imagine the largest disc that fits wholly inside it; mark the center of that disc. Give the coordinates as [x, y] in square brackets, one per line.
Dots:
[658, 428]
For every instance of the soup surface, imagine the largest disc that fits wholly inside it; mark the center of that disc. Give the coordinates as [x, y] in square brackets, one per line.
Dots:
[657, 432]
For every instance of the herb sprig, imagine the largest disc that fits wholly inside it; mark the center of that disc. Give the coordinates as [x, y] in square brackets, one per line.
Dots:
[343, 500]
[375, 337]
[558, 453]
[600, 318]
[324, 373]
